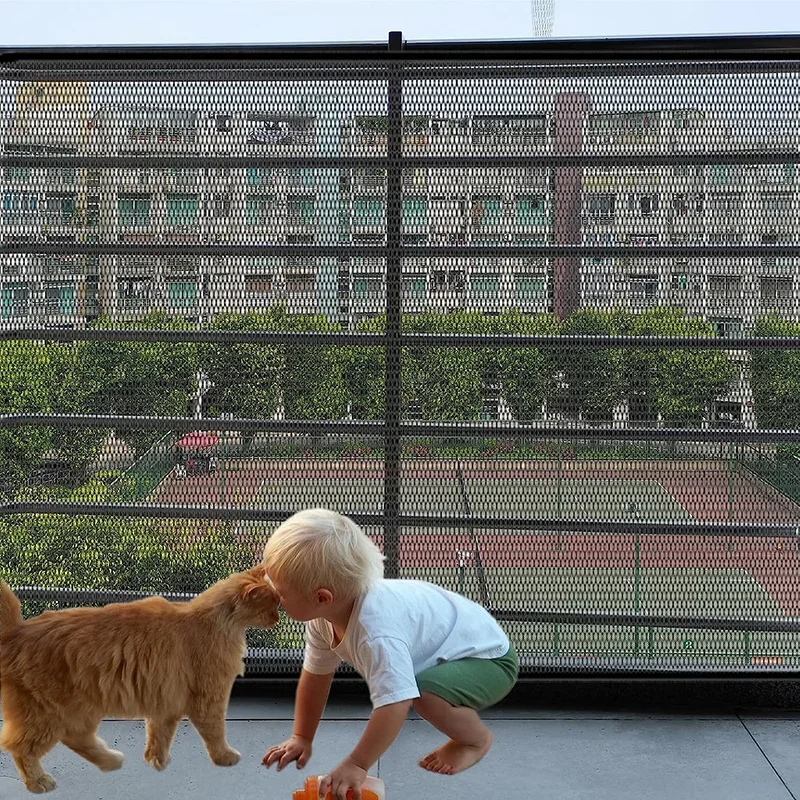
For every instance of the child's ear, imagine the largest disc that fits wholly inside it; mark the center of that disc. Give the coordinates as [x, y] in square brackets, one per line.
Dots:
[324, 597]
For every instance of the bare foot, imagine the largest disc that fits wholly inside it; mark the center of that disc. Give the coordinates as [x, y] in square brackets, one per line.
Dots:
[453, 757]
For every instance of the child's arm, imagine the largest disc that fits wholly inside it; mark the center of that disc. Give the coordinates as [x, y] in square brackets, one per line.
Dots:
[310, 700]
[382, 729]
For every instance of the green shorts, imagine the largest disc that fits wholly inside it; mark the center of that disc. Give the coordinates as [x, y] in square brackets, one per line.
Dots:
[474, 682]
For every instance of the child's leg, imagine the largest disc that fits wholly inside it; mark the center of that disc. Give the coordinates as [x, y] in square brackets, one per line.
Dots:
[469, 739]
[450, 695]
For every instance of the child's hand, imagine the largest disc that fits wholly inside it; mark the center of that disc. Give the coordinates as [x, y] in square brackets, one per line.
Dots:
[295, 749]
[347, 775]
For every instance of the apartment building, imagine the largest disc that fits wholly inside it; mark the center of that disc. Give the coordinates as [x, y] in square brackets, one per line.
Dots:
[692, 204]
[45, 205]
[485, 207]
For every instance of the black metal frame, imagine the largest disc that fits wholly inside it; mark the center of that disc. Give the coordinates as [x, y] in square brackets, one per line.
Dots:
[397, 64]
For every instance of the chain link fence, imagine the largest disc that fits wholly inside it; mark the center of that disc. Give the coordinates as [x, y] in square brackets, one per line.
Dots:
[531, 315]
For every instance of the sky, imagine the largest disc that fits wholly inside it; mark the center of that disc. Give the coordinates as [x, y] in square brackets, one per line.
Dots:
[114, 22]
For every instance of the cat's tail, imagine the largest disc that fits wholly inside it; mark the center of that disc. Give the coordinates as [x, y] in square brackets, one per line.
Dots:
[10, 611]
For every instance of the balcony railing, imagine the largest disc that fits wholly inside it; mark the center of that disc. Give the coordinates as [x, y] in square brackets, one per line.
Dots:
[489, 439]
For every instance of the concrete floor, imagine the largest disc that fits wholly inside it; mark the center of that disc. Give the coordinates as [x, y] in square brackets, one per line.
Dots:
[539, 753]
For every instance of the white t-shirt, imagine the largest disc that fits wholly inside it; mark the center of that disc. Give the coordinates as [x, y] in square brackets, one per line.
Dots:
[399, 628]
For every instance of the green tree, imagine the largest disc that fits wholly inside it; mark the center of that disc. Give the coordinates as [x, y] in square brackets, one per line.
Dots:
[245, 377]
[775, 376]
[141, 378]
[594, 376]
[95, 552]
[80, 446]
[527, 375]
[365, 372]
[314, 376]
[449, 381]
[27, 383]
[678, 384]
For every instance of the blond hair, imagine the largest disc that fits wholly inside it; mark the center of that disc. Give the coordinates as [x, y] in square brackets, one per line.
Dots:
[319, 548]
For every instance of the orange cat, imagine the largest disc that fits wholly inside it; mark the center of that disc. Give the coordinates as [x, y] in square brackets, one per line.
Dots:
[62, 672]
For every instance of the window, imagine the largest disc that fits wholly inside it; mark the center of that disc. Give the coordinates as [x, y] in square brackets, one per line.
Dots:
[182, 208]
[222, 122]
[16, 174]
[725, 287]
[134, 210]
[776, 291]
[725, 174]
[485, 284]
[14, 300]
[59, 298]
[258, 284]
[301, 210]
[134, 292]
[685, 205]
[443, 279]
[371, 177]
[92, 211]
[777, 203]
[727, 328]
[182, 293]
[509, 129]
[259, 176]
[258, 209]
[530, 209]
[726, 204]
[643, 287]
[301, 176]
[414, 286]
[643, 204]
[218, 206]
[369, 211]
[628, 127]
[365, 286]
[600, 240]
[300, 283]
[486, 211]
[412, 178]
[17, 205]
[60, 207]
[600, 205]
[530, 287]
[415, 211]
[777, 173]
[62, 175]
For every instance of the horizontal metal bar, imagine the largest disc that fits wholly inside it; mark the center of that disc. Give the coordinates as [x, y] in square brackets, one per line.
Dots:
[430, 68]
[646, 621]
[188, 423]
[86, 596]
[378, 340]
[433, 251]
[203, 160]
[457, 522]
[455, 430]
[67, 596]
[777, 45]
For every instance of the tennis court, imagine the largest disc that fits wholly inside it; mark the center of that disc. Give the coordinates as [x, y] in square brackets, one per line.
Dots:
[746, 578]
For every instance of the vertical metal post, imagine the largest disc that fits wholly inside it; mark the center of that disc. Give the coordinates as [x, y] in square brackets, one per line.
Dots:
[394, 242]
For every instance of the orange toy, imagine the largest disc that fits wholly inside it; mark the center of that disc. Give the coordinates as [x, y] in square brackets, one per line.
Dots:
[371, 789]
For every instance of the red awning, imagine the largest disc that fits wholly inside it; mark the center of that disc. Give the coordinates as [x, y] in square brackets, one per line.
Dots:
[197, 440]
